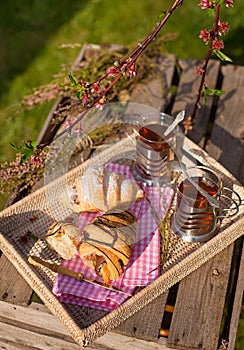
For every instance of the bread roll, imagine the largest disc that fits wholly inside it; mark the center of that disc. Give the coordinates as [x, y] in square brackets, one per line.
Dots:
[105, 245]
[101, 190]
[107, 242]
[64, 239]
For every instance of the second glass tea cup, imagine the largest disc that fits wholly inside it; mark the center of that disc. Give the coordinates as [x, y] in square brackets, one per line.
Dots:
[195, 219]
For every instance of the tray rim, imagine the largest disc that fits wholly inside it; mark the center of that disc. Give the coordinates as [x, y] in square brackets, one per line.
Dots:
[176, 273]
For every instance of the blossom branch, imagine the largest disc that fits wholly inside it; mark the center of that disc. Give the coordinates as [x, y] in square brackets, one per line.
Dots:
[94, 94]
[214, 46]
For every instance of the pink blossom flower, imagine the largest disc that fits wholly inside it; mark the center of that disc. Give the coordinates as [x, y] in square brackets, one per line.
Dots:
[217, 44]
[131, 71]
[69, 123]
[100, 104]
[112, 71]
[95, 88]
[84, 97]
[188, 124]
[204, 35]
[224, 27]
[229, 3]
[205, 4]
[35, 160]
[199, 71]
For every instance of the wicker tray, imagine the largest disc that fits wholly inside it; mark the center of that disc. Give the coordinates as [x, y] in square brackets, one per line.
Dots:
[34, 214]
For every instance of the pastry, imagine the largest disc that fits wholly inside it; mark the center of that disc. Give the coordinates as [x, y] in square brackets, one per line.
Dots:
[101, 190]
[107, 242]
[64, 239]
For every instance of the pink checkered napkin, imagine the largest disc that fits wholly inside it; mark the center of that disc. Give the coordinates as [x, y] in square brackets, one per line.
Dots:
[144, 260]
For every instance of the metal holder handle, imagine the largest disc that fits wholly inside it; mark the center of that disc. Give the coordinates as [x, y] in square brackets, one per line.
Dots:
[236, 203]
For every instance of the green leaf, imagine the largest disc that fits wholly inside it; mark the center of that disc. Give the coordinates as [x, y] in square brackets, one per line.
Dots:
[73, 79]
[215, 92]
[34, 143]
[206, 99]
[11, 144]
[26, 152]
[222, 56]
[210, 92]
[29, 146]
[79, 94]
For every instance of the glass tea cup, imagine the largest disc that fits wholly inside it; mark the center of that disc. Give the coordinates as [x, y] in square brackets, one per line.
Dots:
[195, 219]
[153, 148]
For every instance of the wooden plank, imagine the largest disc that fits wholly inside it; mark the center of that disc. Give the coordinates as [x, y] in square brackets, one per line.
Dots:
[13, 338]
[223, 137]
[186, 96]
[146, 323]
[122, 342]
[22, 339]
[13, 288]
[33, 320]
[199, 305]
[237, 304]
[227, 139]
[155, 91]
[23, 329]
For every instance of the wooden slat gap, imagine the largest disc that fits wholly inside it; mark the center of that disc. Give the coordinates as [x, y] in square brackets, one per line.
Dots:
[213, 111]
[168, 314]
[174, 90]
[231, 290]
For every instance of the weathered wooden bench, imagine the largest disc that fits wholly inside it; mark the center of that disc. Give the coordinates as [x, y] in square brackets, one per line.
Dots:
[203, 309]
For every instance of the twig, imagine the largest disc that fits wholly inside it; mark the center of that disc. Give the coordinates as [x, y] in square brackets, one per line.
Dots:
[125, 65]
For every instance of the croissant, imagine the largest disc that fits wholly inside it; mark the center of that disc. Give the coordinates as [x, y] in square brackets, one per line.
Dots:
[107, 243]
[101, 190]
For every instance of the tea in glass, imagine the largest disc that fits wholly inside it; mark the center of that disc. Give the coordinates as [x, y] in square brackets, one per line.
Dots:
[195, 220]
[187, 189]
[152, 152]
